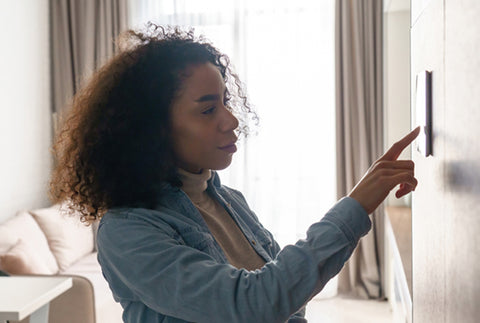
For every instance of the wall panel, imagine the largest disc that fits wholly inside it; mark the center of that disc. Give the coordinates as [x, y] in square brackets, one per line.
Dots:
[446, 208]
[462, 160]
[428, 210]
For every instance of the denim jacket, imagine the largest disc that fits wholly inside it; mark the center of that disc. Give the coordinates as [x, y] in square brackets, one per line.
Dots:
[164, 265]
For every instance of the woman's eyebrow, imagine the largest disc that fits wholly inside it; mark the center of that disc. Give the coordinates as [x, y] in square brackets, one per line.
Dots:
[208, 97]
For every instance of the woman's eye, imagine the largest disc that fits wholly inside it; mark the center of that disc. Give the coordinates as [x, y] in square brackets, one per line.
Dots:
[209, 110]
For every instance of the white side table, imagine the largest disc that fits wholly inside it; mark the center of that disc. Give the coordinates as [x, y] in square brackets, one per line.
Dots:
[21, 296]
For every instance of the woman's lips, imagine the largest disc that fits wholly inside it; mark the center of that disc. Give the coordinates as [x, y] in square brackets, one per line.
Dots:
[231, 148]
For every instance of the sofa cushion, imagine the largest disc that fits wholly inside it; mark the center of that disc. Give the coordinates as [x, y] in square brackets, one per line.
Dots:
[22, 259]
[21, 237]
[68, 238]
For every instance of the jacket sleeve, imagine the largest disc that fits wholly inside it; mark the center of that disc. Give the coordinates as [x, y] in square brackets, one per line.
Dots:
[299, 316]
[179, 281]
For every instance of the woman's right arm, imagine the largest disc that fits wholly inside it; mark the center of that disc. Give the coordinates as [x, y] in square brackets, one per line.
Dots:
[147, 263]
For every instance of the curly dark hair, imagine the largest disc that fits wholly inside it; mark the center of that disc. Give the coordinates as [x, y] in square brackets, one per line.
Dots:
[114, 148]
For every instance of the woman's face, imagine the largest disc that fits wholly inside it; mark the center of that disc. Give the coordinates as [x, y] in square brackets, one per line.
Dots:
[202, 127]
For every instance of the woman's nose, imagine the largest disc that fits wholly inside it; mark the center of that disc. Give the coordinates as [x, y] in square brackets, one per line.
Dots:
[229, 121]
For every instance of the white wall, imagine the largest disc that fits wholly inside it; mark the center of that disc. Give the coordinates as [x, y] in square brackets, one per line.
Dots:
[25, 122]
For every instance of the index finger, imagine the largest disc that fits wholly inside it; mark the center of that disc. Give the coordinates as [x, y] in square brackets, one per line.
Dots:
[399, 146]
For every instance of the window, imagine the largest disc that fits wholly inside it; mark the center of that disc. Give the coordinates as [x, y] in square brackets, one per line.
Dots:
[284, 52]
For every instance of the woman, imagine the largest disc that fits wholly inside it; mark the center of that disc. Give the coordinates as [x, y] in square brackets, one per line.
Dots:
[139, 150]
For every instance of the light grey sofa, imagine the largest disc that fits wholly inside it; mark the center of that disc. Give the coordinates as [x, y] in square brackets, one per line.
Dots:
[47, 242]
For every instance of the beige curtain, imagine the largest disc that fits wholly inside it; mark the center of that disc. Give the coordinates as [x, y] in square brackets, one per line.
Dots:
[83, 34]
[359, 129]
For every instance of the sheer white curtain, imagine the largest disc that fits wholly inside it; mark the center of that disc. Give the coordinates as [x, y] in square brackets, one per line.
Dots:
[284, 52]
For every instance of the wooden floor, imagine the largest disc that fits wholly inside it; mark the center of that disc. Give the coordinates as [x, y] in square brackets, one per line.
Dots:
[339, 310]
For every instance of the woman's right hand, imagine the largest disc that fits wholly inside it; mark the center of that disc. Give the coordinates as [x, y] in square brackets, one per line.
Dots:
[386, 173]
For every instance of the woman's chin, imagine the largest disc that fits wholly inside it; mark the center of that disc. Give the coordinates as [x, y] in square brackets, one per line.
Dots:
[222, 165]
